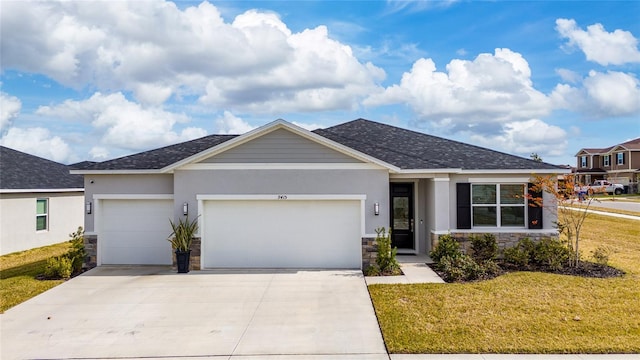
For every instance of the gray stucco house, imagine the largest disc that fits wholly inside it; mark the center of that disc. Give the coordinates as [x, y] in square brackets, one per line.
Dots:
[40, 202]
[284, 197]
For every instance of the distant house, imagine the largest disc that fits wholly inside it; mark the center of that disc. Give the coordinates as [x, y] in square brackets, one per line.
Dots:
[618, 163]
[284, 197]
[41, 203]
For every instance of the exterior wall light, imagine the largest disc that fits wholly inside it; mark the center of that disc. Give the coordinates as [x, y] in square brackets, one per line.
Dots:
[185, 209]
[87, 207]
[376, 209]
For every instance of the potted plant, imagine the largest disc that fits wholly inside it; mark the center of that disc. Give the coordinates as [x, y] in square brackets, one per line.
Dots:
[181, 239]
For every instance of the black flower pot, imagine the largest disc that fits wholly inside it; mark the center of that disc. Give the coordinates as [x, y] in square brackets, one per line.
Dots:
[182, 259]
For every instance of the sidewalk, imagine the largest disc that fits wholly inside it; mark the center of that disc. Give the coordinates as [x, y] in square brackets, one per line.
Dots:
[605, 213]
[415, 271]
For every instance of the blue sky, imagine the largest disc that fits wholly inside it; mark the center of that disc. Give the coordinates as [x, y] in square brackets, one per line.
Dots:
[94, 80]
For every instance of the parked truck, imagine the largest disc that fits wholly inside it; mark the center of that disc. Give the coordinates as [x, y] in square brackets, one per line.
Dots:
[600, 186]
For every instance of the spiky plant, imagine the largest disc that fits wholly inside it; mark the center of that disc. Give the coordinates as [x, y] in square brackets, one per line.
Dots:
[182, 234]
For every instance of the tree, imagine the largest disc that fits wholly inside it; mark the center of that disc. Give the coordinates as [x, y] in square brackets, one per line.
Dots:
[571, 210]
[535, 157]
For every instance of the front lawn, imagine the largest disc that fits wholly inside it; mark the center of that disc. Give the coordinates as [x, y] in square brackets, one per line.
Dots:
[18, 273]
[523, 312]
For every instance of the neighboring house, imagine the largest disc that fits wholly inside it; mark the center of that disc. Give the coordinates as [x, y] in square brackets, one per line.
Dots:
[40, 202]
[619, 163]
[284, 197]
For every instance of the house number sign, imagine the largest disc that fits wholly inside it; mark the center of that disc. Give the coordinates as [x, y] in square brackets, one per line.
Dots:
[282, 197]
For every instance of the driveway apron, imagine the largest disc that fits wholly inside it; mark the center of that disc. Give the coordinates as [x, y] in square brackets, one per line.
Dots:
[134, 312]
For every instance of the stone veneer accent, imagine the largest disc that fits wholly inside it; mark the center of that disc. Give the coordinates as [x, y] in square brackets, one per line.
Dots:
[194, 259]
[369, 252]
[504, 240]
[91, 251]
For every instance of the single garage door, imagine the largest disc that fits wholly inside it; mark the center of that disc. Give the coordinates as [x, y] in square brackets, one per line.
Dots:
[282, 234]
[134, 232]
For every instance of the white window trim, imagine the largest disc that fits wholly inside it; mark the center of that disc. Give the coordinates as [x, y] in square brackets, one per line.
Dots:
[499, 206]
[606, 160]
[583, 161]
[620, 158]
[45, 215]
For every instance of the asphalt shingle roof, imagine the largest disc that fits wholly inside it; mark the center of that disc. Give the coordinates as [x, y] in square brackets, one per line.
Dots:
[162, 157]
[19, 170]
[403, 148]
[408, 149]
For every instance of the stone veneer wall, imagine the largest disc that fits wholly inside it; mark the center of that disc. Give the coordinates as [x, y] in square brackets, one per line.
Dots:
[504, 240]
[91, 251]
[369, 252]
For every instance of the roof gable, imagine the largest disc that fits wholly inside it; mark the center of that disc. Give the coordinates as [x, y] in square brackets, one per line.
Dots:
[281, 146]
[272, 127]
[22, 171]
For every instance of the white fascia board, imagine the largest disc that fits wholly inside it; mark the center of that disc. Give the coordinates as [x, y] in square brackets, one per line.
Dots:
[268, 128]
[114, 172]
[422, 173]
[15, 191]
[283, 197]
[133, 196]
[281, 166]
[516, 171]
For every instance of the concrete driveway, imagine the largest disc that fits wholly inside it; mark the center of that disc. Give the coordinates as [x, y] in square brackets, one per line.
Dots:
[151, 312]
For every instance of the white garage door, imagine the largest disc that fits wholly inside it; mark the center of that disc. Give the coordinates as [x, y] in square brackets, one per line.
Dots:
[282, 234]
[134, 232]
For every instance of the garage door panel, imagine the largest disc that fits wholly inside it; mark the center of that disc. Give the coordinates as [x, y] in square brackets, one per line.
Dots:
[306, 234]
[134, 232]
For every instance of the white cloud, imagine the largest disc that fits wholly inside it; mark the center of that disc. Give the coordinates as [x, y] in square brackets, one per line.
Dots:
[232, 125]
[479, 94]
[156, 51]
[601, 95]
[526, 137]
[9, 108]
[568, 75]
[99, 153]
[38, 141]
[605, 48]
[124, 124]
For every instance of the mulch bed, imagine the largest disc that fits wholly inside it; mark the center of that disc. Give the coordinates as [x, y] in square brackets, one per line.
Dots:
[584, 269]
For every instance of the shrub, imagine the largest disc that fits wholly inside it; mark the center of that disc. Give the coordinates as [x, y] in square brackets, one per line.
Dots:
[458, 268]
[386, 262]
[552, 253]
[522, 254]
[76, 254]
[447, 247]
[59, 267]
[484, 247]
[601, 255]
[490, 268]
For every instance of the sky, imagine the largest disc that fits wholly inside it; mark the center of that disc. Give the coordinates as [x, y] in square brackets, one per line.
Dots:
[96, 80]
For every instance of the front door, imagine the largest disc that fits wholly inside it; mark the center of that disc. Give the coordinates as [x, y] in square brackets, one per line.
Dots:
[402, 215]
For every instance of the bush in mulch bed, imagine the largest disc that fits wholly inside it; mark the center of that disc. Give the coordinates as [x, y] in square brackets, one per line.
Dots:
[548, 255]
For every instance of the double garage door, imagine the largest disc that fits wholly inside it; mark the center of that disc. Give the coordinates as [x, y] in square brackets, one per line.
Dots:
[240, 233]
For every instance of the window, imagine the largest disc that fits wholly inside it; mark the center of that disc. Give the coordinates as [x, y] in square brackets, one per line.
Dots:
[42, 215]
[498, 205]
[583, 161]
[620, 157]
[606, 160]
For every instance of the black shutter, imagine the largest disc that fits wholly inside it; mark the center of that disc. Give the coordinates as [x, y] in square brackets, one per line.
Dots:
[463, 202]
[535, 208]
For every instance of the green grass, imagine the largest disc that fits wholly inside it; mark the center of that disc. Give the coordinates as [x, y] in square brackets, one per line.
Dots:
[523, 312]
[18, 272]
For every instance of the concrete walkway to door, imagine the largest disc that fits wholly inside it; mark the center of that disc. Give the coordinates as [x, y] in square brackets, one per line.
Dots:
[151, 312]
